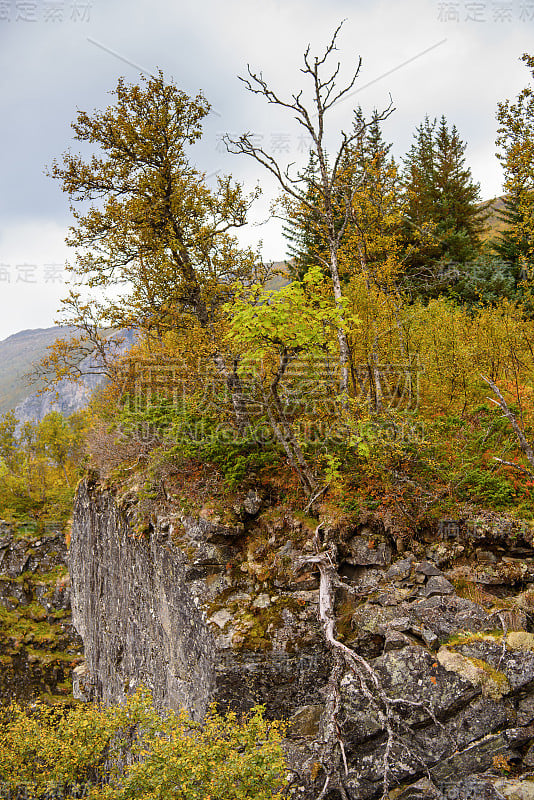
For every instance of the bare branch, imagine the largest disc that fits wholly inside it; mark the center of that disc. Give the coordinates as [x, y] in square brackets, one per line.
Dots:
[515, 466]
[520, 435]
[347, 88]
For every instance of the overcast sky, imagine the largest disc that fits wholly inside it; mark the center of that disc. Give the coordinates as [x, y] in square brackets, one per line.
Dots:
[454, 58]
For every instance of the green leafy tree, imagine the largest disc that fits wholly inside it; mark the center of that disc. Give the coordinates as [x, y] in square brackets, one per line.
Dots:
[60, 751]
[8, 440]
[40, 464]
[60, 440]
[332, 195]
[278, 327]
[148, 229]
[516, 142]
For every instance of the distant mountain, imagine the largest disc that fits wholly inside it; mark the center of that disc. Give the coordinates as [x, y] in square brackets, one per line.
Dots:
[494, 225]
[18, 355]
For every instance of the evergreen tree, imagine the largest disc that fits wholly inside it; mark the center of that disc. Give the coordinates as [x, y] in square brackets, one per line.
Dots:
[511, 246]
[369, 175]
[375, 204]
[443, 219]
[307, 245]
[420, 240]
[460, 218]
[486, 279]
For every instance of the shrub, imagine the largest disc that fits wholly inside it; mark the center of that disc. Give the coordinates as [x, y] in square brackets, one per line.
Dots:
[48, 749]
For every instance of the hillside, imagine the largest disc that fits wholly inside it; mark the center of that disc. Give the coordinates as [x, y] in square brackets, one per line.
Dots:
[18, 353]
[494, 224]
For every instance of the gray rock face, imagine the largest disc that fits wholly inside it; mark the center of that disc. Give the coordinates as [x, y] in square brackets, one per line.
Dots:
[200, 610]
[364, 552]
[438, 585]
[138, 620]
[142, 608]
[37, 641]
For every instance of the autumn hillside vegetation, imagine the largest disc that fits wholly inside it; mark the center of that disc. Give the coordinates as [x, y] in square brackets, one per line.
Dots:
[393, 372]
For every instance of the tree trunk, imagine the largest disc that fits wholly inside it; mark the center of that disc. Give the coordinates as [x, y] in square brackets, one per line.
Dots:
[235, 387]
[344, 351]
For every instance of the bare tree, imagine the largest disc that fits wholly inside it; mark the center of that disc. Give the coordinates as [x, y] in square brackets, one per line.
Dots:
[332, 191]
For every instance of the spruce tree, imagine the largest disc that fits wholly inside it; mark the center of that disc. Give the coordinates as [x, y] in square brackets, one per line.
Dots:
[444, 219]
[369, 176]
[511, 245]
[307, 245]
[376, 215]
[460, 217]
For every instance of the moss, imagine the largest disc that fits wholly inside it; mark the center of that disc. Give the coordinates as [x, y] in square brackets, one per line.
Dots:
[53, 700]
[470, 590]
[220, 601]
[493, 683]
[40, 578]
[498, 677]
[466, 637]
[309, 522]
[59, 614]
[47, 657]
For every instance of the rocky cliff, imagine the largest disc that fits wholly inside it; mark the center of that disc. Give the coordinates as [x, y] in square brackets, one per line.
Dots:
[202, 607]
[38, 646]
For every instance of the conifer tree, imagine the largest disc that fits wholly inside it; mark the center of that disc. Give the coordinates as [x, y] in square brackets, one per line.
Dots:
[375, 215]
[371, 174]
[443, 219]
[511, 245]
[460, 218]
[307, 245]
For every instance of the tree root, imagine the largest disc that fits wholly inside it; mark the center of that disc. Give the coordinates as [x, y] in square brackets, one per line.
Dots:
[388, 709]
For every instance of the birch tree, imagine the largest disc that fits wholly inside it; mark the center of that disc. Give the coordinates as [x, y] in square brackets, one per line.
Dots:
[330, 192]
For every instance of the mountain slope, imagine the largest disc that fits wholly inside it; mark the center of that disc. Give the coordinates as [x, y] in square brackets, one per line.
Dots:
[18, 354]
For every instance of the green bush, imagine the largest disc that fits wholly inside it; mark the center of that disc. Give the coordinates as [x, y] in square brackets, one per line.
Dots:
[188, 432]
[489, 488]
[47, 749]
